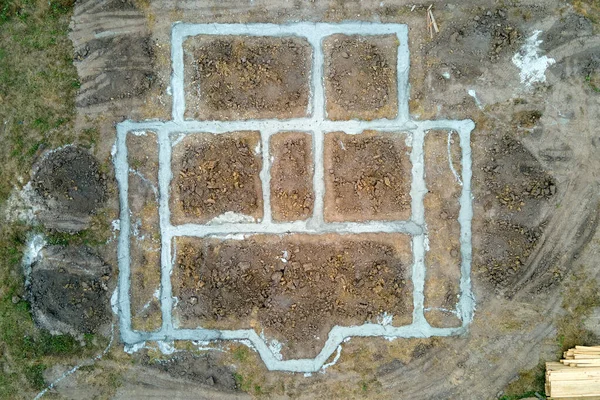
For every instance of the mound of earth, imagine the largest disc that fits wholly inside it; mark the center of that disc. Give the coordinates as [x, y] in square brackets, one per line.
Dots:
[71, 186]
[69, 290]
[205, 369]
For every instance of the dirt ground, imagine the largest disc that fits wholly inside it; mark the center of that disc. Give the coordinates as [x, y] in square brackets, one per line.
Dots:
[535, 186]
[295, 288]
[71, 186]
[145, 241]
[292, 196]
[253, 77]
[441, 215]
[367, 177]
[360, 77]
[69, 290]
[215, 174]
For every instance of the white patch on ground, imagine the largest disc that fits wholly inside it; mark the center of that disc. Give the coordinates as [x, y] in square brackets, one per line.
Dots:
[32, 253]
[139, 133]
[114, 301]
[166, 347]
[450, 143]
[231, 218]
[286, 256]
[274, 345]
[257, 148]
[385, 319]
[133, 348]
[116, 224]
[23, 205]
[34, 246]
[532, 65]
[472, 93]
[335, 359]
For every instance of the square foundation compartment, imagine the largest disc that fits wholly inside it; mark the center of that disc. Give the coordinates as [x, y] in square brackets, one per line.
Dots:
[367, 177]
[360, 75]
[246, 77]
[216, 177]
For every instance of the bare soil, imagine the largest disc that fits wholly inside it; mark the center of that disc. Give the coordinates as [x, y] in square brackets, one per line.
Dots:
[72, 187]
[145, 239]
[517, 186]
[442, 290]
[70, 290]
[205, 369]
[292, 195]
[367, 177]
[360, 77]
[295, 287]
[246, 77]
[214, 174]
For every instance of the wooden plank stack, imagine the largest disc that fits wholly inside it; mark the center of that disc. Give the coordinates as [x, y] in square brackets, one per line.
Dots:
[577, 376]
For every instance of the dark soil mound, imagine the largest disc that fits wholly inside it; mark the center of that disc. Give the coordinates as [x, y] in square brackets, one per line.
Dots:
[69, 290]
[72, 187]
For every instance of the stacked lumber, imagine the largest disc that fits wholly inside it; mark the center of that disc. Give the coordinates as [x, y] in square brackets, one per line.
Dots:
[576, 376]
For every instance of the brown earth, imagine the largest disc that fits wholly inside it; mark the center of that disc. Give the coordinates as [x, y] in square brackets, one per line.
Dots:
[295, 287]
[367, 177]
[145, 239]
[214, 174]
[514, 329]
[72, 188]
[292, 195]
[360, 77]
[442, 277]
[516, 186]
[246, 77]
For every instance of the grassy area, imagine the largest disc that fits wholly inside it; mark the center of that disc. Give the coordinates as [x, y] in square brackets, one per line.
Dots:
[25, 351]
[38, 83]
[589, 9]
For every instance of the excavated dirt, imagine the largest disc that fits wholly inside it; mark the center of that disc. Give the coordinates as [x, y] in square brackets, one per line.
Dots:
[214, 174]
[246, 77]
[294, 287]
[69, 289]
[367, 177]
[360, 77]
[442, 279]
[516, 185]
[72, 187]
[145, 240]
[292, 196]
[205, 369]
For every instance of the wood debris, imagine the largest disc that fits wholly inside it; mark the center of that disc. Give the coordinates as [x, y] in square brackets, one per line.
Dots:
[431, 23]
[577, 376]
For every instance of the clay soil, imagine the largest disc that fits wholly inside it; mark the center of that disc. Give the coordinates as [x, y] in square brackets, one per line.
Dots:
[292, 196]
[367, 177]
[296, 288]
[246, 77]
[214, 174]
[360, 77]
[442, 206]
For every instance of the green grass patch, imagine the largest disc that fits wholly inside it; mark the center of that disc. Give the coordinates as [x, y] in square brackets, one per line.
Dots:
[38, 83]
[528, 384]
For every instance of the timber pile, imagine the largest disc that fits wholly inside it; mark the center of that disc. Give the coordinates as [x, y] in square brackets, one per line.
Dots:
[577, 376]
